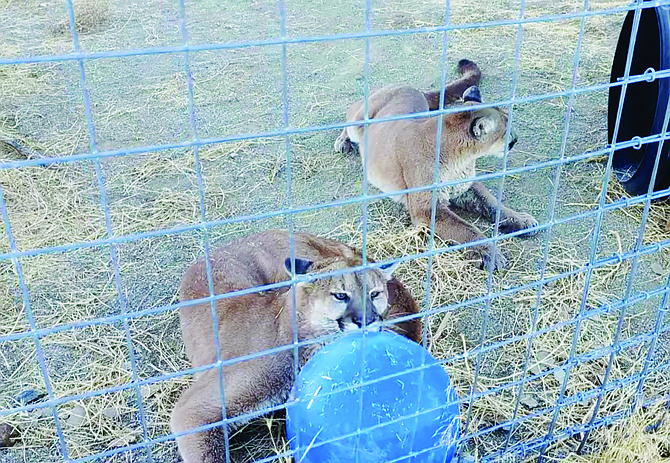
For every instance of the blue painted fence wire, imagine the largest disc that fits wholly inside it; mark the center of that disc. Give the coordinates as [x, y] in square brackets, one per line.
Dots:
[586, 312]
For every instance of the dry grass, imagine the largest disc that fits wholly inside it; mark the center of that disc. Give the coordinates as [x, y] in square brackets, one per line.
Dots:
[87, 360]
[644, 438]
[455, 279]
[55, 206]
[89, 16]
[111, 420]
[657, 226]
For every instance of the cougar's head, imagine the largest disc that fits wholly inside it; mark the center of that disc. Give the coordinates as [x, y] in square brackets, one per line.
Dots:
[479, 132]
[343, 302]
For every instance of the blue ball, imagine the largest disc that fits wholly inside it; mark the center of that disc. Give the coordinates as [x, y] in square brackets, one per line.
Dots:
[407, 413]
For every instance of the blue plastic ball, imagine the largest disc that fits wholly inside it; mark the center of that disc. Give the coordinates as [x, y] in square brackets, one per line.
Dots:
[406, 413]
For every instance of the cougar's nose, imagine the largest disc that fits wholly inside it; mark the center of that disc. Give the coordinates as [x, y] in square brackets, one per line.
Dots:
[512, 142]
[369, 319]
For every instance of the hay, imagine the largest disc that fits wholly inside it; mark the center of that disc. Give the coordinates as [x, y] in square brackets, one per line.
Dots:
[53, 207]
[657, 227]
[111, 420]
[89, 16]
[643, 438]
[456, 279]
[152, 191]
[92, 359]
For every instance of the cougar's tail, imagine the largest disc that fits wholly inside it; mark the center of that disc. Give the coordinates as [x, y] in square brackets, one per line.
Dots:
[469, 75]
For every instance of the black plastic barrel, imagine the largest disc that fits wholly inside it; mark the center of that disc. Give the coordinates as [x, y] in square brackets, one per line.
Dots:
[645, 102]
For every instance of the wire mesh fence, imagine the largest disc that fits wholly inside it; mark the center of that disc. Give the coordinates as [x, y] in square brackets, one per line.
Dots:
[139, 137]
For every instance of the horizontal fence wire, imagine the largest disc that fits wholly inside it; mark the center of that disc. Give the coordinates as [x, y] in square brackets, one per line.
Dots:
[307, 39]
[643, 397]
[636, 142]
[603, 310]
[617, 204]
[600, 263]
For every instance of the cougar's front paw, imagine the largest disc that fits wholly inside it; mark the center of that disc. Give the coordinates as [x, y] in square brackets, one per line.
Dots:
[343, 143]
[518, 221]
[488, 258]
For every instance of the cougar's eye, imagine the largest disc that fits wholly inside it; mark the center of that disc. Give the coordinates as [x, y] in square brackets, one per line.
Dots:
[340, 296]
[374, 294]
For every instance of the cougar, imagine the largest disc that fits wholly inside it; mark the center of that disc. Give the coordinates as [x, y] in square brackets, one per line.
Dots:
[401, 155]
[264, 320]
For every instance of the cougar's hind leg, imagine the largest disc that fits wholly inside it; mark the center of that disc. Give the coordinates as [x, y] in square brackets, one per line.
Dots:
[200, 405]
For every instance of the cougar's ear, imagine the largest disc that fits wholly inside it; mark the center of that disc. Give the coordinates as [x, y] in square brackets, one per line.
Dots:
[388, 269]
[302, 266]
[482, 126]
[472, 94]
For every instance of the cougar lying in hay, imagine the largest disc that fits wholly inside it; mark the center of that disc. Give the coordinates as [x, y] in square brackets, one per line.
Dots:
[401, 155]
[263, 320]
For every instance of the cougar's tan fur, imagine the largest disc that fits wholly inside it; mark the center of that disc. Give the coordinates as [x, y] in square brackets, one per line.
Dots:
[401, 155]
[263, 320]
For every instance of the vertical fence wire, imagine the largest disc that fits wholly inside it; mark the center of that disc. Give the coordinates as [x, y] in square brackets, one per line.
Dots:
[433, 213]
[39, 352]
[364, 205]
[288, 203]
[436, 173]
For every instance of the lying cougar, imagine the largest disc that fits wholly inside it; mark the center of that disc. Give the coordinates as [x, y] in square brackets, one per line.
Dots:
[263, 320]
[401, 155]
